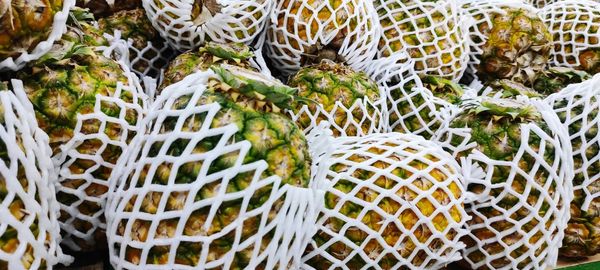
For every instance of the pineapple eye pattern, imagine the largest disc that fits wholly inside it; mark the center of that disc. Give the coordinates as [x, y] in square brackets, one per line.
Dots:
[517, 167]
[88, 159]
[392, 201]
[578, 108]
[227, 21]
[430, 31]
[574, 26]
[215, 209]
[29, 231]
[305, 32]
[24, 44]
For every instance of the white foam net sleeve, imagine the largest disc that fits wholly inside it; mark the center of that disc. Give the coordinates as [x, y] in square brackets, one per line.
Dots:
[150, 60]
[392, 201]
[298, 29]
[478, 12]
[410, 107]
[29, 229]
[146, 230]
[574, 24]
[578, 107]
[88, 159]
[185, 25]
[58, 28]
[432, 32]
[362, 118]
[520, 205]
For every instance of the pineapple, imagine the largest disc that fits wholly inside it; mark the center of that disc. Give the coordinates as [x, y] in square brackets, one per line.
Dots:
[134, 25]
[29, 232]
[429, 31]
[329, 84]
[188, 25]
[515, 44]
[555, 79]
[382, 201]
[578, 108]
[443, 88]
[302, 33]
[574, 25]
[201, 60]
[104, 8]
[24, 24]
[63, 86]
[510, 208]
[253, 104]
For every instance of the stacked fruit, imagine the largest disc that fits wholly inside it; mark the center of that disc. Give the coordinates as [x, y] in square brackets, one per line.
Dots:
[352, 143]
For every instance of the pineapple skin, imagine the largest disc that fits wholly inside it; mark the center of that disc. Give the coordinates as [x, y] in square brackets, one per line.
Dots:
[327, 83]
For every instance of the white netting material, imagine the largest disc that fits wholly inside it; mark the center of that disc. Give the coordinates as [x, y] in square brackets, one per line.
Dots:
[541, 3]
[150, 60]
[410, 107]
[226, 21]
[388, 199]
[297, 30]
[283, 215]
[83, 230]
[575, 26]
[478, 13]
[433, 34]
[528, 217]
[362, 118]
[58, 28]
[28, 206]
[578, 106]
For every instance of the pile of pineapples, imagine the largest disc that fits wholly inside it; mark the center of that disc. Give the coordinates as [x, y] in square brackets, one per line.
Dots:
[350, 100]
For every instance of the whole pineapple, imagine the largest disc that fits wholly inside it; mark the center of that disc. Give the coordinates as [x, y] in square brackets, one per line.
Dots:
[509, 42]
[225, 210]
[302, 33]
[188, 25]
[518, 180]
[90, 107]
[578, 108]
[574, 25]
[382, 205]
[29, 231]
[24, 24]
[330, 85]
[211, 53]
[430, 32]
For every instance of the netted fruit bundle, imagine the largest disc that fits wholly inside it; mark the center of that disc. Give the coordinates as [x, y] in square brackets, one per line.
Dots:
[575, 25]
[189, 24]
[410, 106]
[517, 162]
[392, 201]
[432, 32]
[301, 33]
[578, 108]
[211, 184]
[29, 28]
[29, 230]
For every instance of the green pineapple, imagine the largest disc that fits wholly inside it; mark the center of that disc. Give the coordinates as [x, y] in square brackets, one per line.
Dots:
[210, 54]
[327, 83]
[253, 103]
[62, 86]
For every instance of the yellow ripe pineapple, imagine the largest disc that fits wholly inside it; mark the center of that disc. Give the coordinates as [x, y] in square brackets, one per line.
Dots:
[387, 206]
[302, 33]
[429, 30]
[509, 41]
[25, 24]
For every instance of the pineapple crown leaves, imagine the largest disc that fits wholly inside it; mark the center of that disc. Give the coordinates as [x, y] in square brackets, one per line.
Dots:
[62, 53]
[513, 89]
[437, 82]
[254, 85]
[235, 52]
[500, 108]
